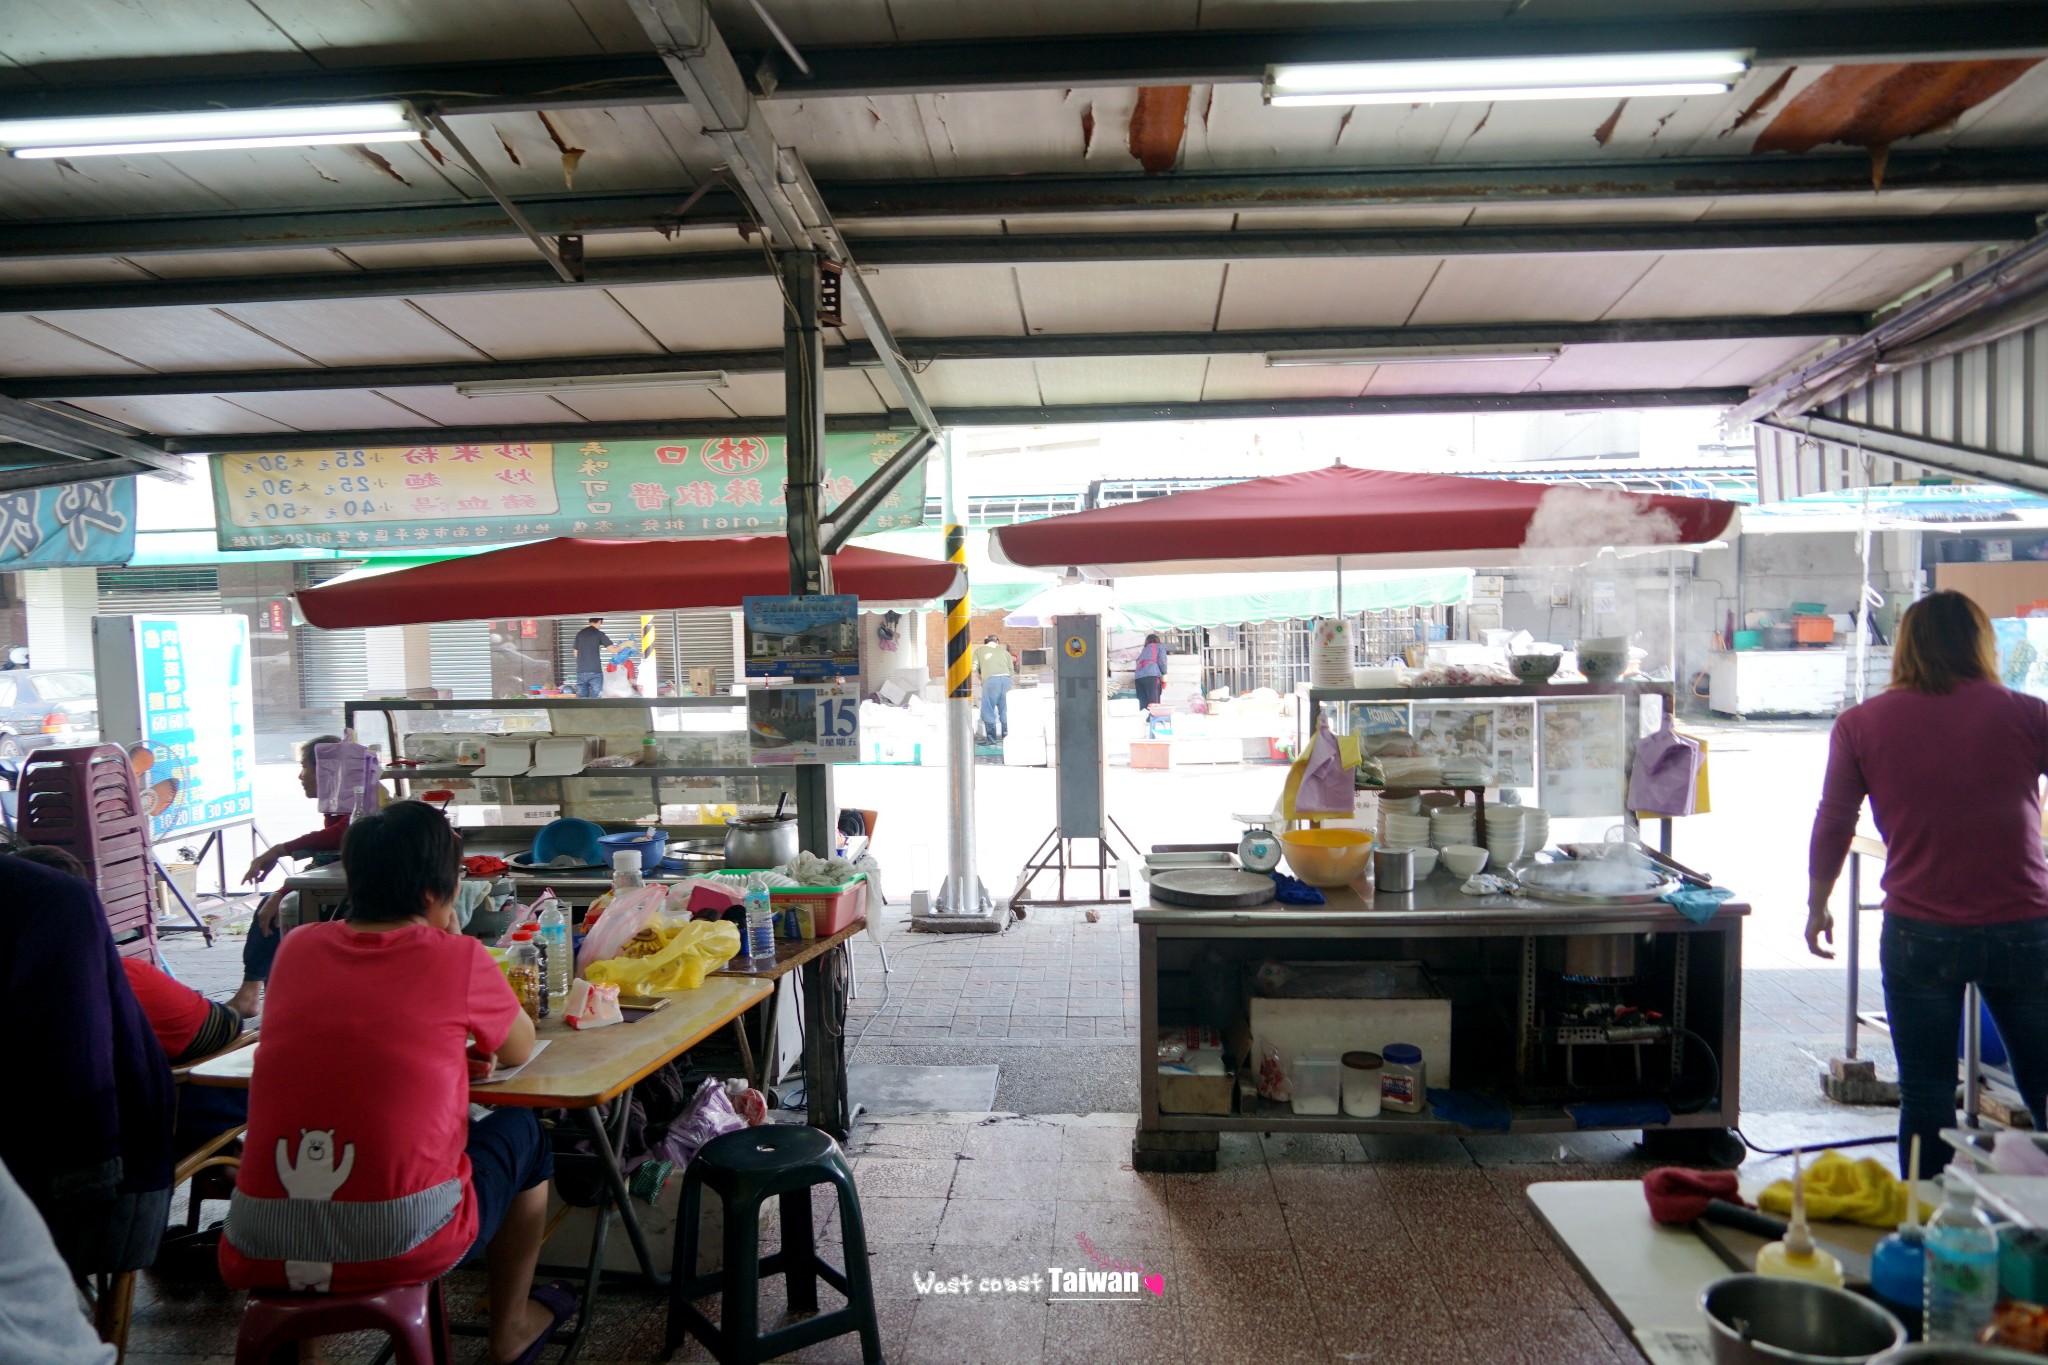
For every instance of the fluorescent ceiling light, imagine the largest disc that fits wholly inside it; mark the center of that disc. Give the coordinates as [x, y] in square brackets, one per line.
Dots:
[210, 130]
[596, 383]
[1410, 355]
[1621, 75]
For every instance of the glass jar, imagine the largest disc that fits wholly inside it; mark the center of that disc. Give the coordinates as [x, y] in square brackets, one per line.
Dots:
[1403, 1086]
[1362, 1084]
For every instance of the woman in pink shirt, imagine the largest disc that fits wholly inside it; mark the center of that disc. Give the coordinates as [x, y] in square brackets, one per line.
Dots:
[1952, 762]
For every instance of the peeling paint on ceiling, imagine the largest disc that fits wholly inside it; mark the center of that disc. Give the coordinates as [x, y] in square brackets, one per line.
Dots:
[1158, 124]
[1876, 105]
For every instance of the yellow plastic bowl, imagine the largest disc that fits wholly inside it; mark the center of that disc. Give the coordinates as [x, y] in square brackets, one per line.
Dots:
[1326, 857]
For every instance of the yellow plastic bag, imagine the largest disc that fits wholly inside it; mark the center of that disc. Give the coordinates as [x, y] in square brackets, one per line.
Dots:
[691, 952]
[1841, 1190]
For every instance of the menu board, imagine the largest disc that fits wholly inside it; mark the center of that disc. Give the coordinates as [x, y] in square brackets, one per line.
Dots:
[175, 692]
[1458, 734]
[531, 490]
[1514, 745]
[1584, 750]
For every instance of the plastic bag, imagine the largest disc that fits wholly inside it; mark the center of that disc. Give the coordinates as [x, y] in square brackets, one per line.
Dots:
[1273, 1081]
[1665, 780]
[692, 951]
[629, 913]
[1326, 785]
[345, 778]
[710, 1115]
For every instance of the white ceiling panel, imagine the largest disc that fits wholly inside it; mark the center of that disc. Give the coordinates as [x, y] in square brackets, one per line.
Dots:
[373, 31]
[30, 346]
[714, 314]
[68, 272]
[2013, 115]
[1753, 362]
[1701, 283]
[1554, 288]
[1495, 376]
[522, 325]
[356, 331]
[1638, 365]
[1152, 379]
[442, 405]
[1177, 296]
[1248, 376]
[330, 410]
[1340, 292]
[980, 384]
[624, 147]
[807, 22]
[183, 414]
[959, 300]
[1893, 271]
[1240, 131]
[177, 338]
[919, 21]
[647, 405]
[107, 30]
[760, 395]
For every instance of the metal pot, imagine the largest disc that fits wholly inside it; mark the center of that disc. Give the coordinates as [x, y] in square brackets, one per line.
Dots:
[1393, 869]
[1600, 957]
[1763, 1320]
[1955, 1355]
[760, 841]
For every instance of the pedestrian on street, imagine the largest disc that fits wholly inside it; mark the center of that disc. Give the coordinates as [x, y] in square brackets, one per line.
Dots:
[992, 660]
[1151, 672]
[1952, 761]
[590, 642]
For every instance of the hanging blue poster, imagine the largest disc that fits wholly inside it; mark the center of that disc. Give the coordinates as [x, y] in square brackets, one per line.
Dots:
[75, 526]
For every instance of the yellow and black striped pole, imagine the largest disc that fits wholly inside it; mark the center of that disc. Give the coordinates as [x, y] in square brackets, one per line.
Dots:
[648, 679]
[959, 664]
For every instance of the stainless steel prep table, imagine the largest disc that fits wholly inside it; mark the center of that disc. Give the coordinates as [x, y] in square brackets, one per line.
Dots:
[1709, 982]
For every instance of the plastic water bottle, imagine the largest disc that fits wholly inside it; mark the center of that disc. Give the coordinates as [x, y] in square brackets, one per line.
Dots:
[1962, 1269]
[760, 925]
[554, 931]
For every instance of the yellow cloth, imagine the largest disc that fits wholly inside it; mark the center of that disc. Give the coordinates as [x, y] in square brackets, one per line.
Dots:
[692, 952]
[1841, 1190]
[1347, 750]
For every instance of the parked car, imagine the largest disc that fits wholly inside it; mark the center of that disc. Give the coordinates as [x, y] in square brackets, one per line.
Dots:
[44, 706]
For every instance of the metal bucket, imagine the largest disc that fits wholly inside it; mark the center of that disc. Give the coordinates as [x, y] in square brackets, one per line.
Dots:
[1764, 1320]
[1600, 957]
[1393, 869]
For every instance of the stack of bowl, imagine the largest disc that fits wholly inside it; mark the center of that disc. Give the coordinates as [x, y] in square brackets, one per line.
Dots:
[1503, 834]
[1403, 831]
[1454, 825]
[1535, 830]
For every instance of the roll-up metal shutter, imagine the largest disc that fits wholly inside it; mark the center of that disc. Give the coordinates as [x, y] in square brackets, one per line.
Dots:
[704, 640]
[159, 592]
[333, 664]
[462, 657]
[621, 626]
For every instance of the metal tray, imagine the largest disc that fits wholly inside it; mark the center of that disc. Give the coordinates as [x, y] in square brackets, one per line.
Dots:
[1210, 888]
[1192, 859]
[1539, 882]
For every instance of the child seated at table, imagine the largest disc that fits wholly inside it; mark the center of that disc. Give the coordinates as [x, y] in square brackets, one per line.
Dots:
[363, 1170]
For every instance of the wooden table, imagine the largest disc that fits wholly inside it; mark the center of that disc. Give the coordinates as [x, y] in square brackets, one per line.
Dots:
[822, 965]
[590, 1075]
[1649, 1276]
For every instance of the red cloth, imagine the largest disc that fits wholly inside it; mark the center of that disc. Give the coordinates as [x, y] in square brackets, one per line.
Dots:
[1954, 785]
[326, 839]
[174, 1009]
[364, 1040]
[1679, 1195]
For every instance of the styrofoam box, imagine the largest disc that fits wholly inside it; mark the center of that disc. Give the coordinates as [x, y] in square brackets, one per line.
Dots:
[1294, 1027]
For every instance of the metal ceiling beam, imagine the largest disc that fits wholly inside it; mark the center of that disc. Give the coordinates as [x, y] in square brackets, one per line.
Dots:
[13, 480]
[554, 215]
[1015, 249]
[923, 350]
[87, 443]
[1927, 32]
[976, 416]
[847, 517]
[1812, 36]
[1966, 462]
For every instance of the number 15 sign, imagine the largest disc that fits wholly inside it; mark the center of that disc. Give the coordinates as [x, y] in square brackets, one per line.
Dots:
[804, 724]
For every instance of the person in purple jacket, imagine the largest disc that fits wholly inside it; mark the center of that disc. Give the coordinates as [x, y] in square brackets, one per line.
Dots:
[1952, 762]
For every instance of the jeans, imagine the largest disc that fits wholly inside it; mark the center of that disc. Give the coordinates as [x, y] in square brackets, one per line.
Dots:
[1926, 966]
[1149, 690]
[590, 684]
[995, 706]
[258, 949]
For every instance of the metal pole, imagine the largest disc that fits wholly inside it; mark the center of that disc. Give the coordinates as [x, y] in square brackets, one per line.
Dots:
[803, 348]
[1852, 948]
[962, 891]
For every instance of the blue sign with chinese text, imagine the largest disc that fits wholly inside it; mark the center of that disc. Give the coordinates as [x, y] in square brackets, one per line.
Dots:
[198, 720]
[74, 526]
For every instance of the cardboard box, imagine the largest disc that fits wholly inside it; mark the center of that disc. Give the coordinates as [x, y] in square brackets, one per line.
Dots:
[1180, 1093]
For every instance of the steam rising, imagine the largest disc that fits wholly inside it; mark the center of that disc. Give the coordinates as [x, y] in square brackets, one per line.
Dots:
[1588, 520]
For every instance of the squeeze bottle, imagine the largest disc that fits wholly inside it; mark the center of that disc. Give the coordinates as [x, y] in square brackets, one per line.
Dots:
[1898, 1267]
[1797, 1258]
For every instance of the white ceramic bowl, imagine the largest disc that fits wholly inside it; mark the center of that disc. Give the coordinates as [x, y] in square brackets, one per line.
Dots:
[1425, 862]
[1462, 860]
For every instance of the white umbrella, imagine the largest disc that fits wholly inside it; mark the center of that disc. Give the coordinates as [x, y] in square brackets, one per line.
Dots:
[1068, 599]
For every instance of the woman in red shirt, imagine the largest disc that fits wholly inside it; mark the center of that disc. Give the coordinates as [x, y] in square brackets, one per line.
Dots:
[1952, 762]
[362, 1169]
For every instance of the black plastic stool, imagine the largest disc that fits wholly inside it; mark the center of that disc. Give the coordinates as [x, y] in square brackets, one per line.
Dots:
[745, 1168]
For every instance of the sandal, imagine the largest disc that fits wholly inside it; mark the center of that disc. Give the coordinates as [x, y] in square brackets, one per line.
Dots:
[560, 1298]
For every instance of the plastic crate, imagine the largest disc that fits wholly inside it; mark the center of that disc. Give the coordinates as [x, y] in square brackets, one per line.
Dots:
[832, 907]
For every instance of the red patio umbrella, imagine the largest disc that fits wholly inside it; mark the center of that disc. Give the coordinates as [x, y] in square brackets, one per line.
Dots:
[1367, 517]
[574, 577]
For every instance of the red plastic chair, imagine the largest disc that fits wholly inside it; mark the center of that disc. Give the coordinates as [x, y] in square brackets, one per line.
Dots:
[273, 1324]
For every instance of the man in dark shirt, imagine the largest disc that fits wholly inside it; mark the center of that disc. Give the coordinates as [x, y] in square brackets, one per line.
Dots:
[589, 662]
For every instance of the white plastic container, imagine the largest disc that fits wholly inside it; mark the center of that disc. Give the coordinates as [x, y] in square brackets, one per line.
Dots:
[1315, 1082]
[1362, 1084]
[1403, 1083]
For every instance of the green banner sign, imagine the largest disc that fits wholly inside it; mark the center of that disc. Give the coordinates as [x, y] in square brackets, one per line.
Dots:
[452, 494]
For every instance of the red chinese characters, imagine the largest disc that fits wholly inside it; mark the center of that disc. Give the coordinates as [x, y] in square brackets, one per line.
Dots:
[421, 455]
[702, 493]
[735, 454]
[744, 493]
[524, 476]
[648, 497]
[423, 481]
[517, 451]
[466, 454]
